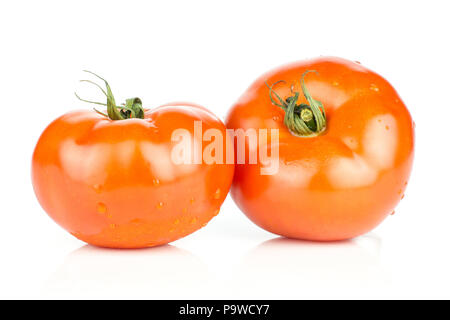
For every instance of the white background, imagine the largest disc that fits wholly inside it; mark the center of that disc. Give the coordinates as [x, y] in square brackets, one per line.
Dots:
[208, 52]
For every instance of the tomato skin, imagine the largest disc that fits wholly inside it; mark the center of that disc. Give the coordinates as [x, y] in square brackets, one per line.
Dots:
[113, 183]
[337, 185]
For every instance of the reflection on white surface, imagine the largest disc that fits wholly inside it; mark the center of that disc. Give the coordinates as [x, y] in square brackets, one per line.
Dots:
[159, 272]
[285, 264]
[275, 269]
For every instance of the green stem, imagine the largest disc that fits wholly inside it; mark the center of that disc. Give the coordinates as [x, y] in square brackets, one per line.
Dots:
[131, 109]
[301, 119]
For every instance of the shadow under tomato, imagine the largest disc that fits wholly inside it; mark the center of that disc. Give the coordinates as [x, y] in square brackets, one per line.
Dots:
[284, 265]
[159, 272]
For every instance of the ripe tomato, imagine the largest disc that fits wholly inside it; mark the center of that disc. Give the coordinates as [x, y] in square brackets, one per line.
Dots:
[112, 183]
[343, 173]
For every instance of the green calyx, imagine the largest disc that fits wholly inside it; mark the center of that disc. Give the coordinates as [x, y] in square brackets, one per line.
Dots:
[301, 119]
[132, 108]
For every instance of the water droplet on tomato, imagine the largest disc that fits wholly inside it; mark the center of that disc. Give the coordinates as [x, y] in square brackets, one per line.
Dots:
[335, 83]
[112, 226]
[155, 182]
[177, 221]
[98, 188]
[160, 205]
[101, 208]
[193, 220]
[276, 118]
[192, 200]
[217, 194]
[403, 195]
[373, 87]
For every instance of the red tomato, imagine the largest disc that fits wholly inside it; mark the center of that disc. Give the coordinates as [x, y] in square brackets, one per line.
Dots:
[343, 173]
[112, 183]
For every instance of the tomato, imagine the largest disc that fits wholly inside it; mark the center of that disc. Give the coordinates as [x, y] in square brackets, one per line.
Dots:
[343, 173]
[113, 183]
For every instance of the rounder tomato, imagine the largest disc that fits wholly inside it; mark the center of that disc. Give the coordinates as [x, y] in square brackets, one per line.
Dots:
[332, 184]
[113, 183]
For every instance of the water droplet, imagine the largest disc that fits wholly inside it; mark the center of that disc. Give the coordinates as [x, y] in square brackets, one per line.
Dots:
[177, 221]
[217, 194]
[171, 230]
[374, 87]
[192, 200]
[403, 195]
[101, 208]
[193, 220]
[98, 188]
[276, 118]
[112, 226]
[160, 205]
[335, 83]
[155, 182]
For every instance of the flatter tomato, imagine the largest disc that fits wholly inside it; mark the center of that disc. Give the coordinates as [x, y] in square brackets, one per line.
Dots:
[345, 150]
[113, 183]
